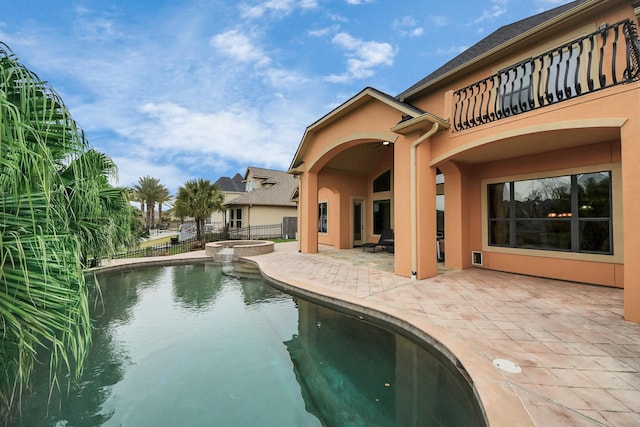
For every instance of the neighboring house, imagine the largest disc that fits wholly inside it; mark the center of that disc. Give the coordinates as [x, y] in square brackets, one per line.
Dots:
[232, 188]
[266, 201]
[531, 136]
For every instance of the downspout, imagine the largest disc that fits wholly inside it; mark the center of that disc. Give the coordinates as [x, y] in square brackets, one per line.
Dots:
[414, 199]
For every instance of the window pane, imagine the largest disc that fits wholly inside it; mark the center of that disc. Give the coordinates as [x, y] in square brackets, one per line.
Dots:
[381, 216]
[382, 183]
[544, 234]
[594, 195]
[499, 200]
[499, 233]
[594, 236]
[322, 217]
[543, 198]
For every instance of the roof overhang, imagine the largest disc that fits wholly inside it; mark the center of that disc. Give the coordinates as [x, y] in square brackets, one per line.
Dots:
[363, 97]
[421, 123]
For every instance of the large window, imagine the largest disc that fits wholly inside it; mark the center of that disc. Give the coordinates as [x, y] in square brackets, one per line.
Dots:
[322, 217]
[564, 213]
[235, 218]
[381, 216]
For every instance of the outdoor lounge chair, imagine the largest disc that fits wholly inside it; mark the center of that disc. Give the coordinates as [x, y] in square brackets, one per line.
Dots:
[386, 241]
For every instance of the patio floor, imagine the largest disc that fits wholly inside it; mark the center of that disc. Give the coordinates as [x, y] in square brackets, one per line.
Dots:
[580, 360]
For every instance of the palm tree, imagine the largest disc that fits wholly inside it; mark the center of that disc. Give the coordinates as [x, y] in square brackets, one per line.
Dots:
[56, 209]
[150, 191]
[198, 199]
[163, 197]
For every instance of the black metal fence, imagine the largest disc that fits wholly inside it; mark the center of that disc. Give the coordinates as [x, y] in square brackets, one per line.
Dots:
[273, 231]
[174, 247]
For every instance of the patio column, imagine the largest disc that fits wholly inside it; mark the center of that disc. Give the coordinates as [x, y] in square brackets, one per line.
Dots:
[631, 210]
[309, 211]
[454, 247]
[402, 207]
[426, 213]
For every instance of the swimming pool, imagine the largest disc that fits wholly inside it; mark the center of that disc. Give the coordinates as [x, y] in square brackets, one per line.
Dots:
[211, 344]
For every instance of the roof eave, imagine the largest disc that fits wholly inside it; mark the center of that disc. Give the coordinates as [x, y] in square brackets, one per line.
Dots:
[421, 123]
[584, 7]
[354, 102]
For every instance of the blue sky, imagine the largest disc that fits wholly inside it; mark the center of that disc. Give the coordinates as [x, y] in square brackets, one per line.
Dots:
[185, 89]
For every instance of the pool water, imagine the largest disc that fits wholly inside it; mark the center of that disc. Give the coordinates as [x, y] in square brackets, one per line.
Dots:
[213, 345]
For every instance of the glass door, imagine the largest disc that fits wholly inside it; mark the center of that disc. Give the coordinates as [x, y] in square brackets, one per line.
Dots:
[358, 222]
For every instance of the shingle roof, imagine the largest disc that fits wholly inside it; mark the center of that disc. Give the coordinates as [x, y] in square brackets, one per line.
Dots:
[279, 194]
[231, 185]
[495, 39]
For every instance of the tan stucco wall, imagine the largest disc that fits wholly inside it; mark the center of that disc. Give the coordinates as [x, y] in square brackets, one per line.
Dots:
[266, 215]
[596, 131]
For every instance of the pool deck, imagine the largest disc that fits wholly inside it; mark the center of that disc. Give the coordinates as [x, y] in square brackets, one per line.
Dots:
[580, 360]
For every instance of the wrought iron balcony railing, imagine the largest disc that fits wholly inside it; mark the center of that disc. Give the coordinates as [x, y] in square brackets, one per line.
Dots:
[604, 58]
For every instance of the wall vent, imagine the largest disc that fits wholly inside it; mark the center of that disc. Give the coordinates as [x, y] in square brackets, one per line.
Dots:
[476, 258]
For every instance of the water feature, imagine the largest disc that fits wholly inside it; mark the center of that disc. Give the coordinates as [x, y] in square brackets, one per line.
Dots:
[212, 344]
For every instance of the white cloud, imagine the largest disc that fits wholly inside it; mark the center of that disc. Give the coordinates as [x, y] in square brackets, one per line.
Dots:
[322, 32]
[498, 8]
[285, 79]
[132, 168]
[362, 57]
[238, 133]
[96, 27]
[277, 7]
[239, 46]
[407, 26]
[357, 2]
[438, 21]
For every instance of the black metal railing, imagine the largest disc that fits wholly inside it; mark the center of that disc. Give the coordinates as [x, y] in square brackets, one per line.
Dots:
[273, 231]
[175, 246]
[604, 58]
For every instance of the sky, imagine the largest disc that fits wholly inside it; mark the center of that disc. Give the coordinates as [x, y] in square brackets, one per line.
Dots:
[186, 89]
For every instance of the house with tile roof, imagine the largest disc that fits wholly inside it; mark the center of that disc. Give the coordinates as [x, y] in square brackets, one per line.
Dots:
[526, 143]
[231, 188]
[267, 199]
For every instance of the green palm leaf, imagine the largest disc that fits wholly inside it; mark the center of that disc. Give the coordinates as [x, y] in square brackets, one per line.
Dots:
[57, 209]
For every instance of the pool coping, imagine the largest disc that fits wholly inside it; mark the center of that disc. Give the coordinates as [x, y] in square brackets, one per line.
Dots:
[498, 399]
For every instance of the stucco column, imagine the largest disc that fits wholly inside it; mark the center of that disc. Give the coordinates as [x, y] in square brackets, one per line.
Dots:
[402, 207]
[426, 213]
[631, 211]
[454, 246]
[309, 211]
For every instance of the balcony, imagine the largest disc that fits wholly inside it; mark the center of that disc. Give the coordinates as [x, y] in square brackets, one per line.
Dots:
[602, 59]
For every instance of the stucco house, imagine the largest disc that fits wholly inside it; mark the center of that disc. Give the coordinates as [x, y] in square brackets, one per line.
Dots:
[266, 201]
[231, 188]
[531, 137]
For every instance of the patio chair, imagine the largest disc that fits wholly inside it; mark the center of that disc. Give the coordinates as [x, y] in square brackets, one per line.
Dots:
[385, 241]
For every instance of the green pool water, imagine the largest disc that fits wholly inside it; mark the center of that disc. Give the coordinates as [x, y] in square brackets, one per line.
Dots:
[213, 345]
